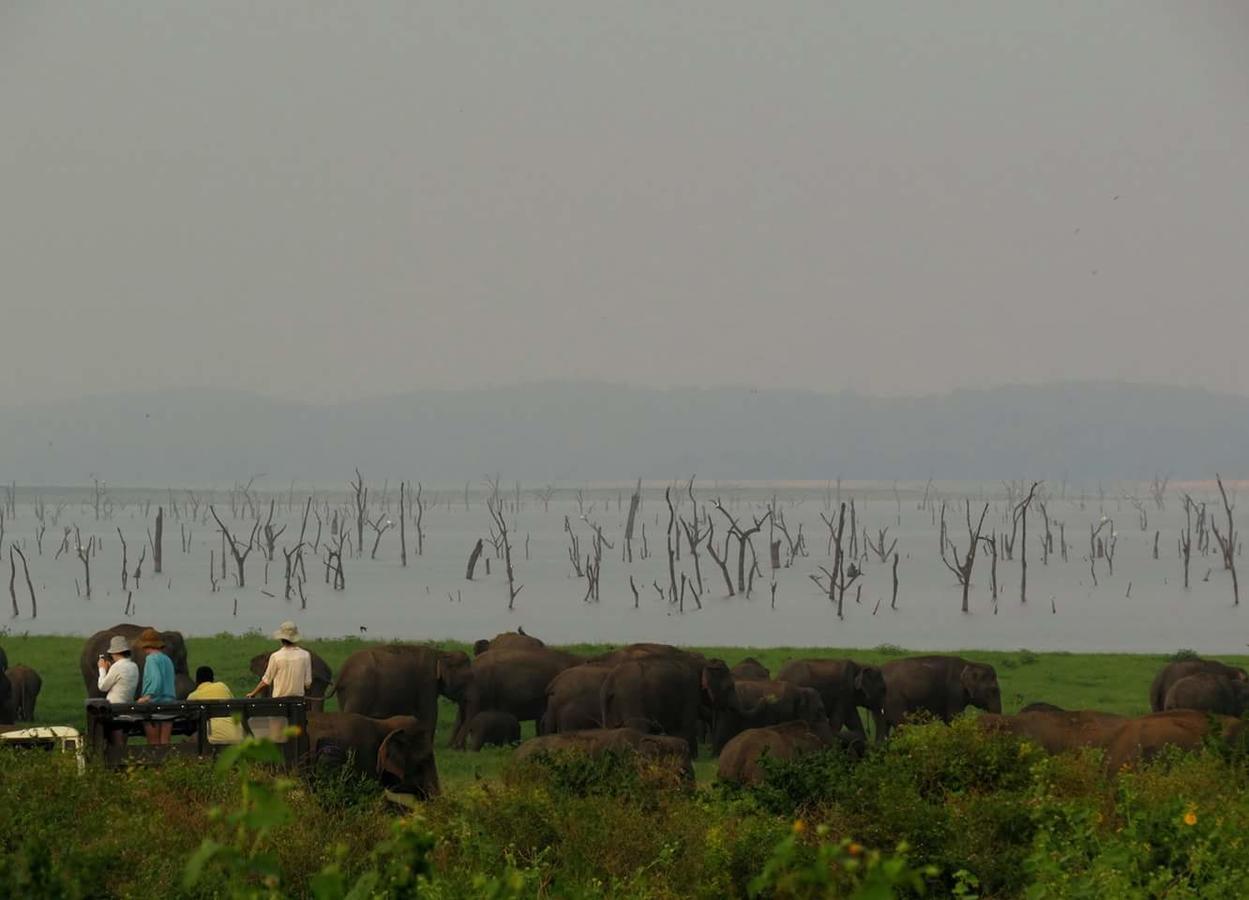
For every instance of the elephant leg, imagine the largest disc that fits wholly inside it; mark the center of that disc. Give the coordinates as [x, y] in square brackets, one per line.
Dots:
[460, 732]
[882, 726]
[853, 723]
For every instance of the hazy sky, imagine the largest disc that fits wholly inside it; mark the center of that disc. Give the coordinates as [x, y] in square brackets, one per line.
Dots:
[330, 200]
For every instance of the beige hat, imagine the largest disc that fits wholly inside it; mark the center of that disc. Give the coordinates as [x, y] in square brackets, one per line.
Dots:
[118, 645]
[287, 632]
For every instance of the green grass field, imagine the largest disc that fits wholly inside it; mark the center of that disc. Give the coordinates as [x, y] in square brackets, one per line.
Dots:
[1111, 682]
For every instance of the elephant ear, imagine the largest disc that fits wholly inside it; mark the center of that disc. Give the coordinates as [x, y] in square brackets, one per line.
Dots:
[967, 678]
[390, 754]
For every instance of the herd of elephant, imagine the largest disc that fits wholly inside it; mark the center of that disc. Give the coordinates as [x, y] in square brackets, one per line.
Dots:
[663, 701]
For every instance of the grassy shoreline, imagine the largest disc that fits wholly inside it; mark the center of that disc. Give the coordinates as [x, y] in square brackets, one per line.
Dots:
[1115, 682]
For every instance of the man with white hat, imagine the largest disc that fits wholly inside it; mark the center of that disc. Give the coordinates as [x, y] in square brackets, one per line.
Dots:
[288, 674]
[119, 676]
[119, 679]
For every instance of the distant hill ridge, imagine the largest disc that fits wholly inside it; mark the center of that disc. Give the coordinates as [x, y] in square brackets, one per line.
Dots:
[578, 431]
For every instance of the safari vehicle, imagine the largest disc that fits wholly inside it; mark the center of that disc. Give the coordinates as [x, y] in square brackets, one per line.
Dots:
[49, 738]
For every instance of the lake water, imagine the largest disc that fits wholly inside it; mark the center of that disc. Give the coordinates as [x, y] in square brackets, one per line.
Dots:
[1141, 607]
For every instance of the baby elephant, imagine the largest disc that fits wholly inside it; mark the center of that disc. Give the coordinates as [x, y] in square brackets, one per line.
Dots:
[26, 685]
[492, 727]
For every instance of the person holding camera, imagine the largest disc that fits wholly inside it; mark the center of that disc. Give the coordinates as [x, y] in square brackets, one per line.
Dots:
[119, 679]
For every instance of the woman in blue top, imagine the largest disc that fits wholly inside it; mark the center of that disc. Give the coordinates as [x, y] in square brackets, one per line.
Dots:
[158, 684]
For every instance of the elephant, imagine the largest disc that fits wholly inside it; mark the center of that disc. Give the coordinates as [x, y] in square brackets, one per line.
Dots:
[175, 649]
[8, 705]
[322, 676]
[397, 751]
[491, 728]
[667, 690]
[764, 703]
[1174, 671]
[508, 640]
[512, 681]
[943, 686]
[740, 758]
[1208, 692]
[750, 669]
[573, 699]
[843, 685]
[400, 680]
[644, 651]
[1057, 731]
[1041, 706]
[1143, 738]
[597, 741]
[25, 684]
[4, 660]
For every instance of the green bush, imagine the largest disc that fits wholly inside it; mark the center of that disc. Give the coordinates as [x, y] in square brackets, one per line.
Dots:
[978, 814]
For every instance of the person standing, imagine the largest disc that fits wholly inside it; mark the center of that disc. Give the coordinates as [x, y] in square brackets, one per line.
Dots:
[158, 684]
[221, 729]
[119, 679]
[288, 674]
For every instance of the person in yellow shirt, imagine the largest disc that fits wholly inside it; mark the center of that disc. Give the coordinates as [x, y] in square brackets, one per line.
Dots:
[222, 729]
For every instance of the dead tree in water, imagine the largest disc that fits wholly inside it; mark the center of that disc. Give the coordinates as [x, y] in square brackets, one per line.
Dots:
[991, 543]
[1021, 513]
[403, 527]
[882, 551]
[721, 561]
[12, 581]
[237, 549]
[138, 569]
[693, 537]
[594, 563]
[1159, 490]
[634, 502]
[1097, 547]
[125, 562]
[380, 526]
[962, 569]
[574, 548]
[158, 541]
[673, 546]
[473, 557]
[291, 558]
[270, 535]
[1227, 542]
[797, 542]
[893, 604]
[1186, 537]
[34, 605]
[500, 523]
[84, 554]
[743, 536]
[843, 574]
[1047, 539]
[334, 562]
[362, 506]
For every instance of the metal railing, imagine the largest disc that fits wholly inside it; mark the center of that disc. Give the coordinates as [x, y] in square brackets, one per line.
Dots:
[192, 717]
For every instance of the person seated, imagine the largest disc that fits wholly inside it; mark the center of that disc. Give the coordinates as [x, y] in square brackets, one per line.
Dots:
[221, 729]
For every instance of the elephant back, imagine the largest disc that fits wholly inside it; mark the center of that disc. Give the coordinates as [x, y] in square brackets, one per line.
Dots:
[389, 680]
[175, 649]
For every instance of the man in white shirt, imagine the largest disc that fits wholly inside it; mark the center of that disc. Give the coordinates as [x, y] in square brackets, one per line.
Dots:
[288, 674]
[119, 679]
